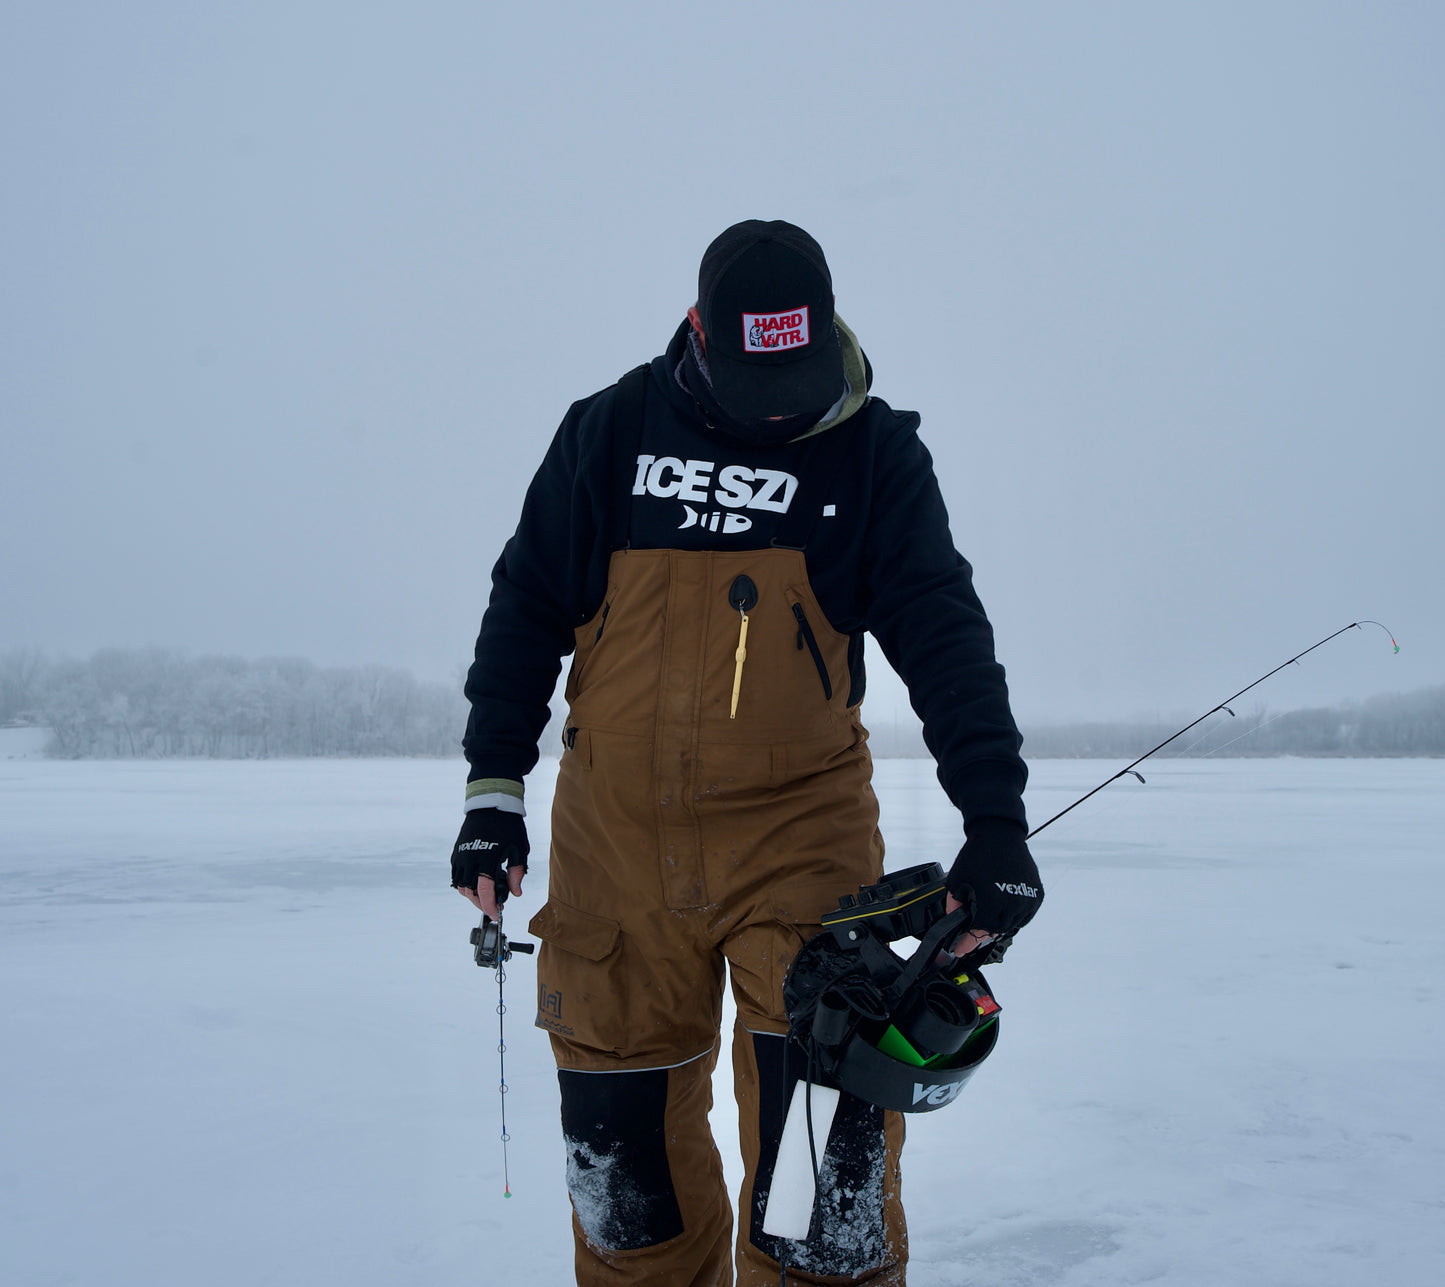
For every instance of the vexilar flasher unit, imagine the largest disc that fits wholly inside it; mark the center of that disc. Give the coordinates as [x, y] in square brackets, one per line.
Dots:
[903, 1034]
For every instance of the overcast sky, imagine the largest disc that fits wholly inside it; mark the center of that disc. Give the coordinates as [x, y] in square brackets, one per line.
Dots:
[294, 296]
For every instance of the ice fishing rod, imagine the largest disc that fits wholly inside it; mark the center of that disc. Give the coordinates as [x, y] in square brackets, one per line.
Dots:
[1213, 710]
[493, 951]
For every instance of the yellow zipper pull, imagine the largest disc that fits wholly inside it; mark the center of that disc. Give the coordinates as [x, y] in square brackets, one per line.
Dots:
[740, 656]
[744, 597]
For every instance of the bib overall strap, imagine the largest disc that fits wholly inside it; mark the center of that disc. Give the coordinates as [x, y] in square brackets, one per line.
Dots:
[817, 473]
[627, 414]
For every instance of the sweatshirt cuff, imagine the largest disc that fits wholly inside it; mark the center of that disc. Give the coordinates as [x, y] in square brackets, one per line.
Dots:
[989, 789]
[495, 793]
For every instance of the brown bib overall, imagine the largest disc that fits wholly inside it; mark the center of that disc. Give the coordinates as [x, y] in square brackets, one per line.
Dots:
[683, 837]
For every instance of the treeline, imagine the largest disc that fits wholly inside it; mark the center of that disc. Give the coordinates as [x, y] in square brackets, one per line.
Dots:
[1394, 724]
[150, 703]
[154, 703]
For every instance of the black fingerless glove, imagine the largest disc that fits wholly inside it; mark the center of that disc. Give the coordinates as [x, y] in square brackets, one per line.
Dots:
[995, 877]
[491, 840]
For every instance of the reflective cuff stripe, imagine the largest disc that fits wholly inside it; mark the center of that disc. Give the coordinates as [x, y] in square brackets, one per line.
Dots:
[494, 786]
[495, 793]
[506, 803]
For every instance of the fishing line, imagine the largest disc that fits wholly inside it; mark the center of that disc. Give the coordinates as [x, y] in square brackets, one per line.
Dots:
[492, 951]
[502, 1062]
[1249, 732]
[1204, 735]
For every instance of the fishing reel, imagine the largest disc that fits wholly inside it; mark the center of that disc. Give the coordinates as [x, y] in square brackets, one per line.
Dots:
[906, 1034]
[492, 946]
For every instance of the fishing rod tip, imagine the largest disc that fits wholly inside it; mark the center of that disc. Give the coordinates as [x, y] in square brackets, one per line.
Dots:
[1389, 634]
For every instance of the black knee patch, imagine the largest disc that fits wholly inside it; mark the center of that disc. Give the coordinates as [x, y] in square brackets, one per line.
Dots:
[847, 1235]
[617, 1168]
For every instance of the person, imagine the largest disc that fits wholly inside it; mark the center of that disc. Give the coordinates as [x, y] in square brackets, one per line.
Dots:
[711, 538]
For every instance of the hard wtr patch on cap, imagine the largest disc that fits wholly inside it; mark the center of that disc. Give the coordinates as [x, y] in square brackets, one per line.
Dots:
[769, 332]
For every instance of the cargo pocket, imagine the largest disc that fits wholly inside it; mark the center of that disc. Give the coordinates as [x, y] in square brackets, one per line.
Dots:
[582, 993]
[798, 914]
[761, 952]
[577, 747]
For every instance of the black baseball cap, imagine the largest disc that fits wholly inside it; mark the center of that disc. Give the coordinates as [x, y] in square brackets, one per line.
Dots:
[766, 299]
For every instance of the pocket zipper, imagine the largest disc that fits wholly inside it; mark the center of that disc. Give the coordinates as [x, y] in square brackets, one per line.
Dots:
[805, 636]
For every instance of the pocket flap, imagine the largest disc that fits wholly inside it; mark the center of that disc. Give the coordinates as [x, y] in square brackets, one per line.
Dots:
[591, 937]
[805, 905]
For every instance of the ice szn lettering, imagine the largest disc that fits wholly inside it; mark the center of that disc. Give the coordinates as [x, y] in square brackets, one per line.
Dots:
[737, 487]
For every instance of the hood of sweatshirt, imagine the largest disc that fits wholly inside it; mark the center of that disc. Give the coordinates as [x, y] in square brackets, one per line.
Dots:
[683, 375]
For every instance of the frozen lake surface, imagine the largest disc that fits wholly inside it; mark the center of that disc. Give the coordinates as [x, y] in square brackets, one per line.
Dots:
[244, 1042]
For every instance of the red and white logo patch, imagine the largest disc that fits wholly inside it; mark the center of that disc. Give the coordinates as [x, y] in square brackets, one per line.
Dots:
[769, 332]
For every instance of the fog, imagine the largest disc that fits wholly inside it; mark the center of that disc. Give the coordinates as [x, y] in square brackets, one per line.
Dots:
[295, 295]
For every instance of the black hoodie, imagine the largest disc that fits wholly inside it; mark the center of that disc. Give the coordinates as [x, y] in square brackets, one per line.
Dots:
[880, 559]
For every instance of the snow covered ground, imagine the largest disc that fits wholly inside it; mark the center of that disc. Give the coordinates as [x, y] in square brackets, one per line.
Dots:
[23, 743]
[244, 1042]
